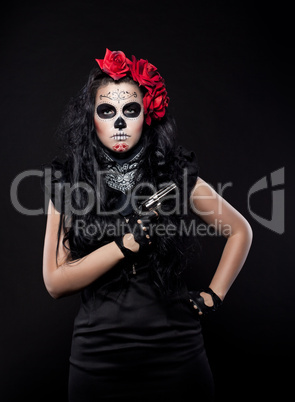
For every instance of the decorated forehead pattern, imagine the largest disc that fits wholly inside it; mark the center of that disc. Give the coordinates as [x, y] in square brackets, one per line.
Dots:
[117, 66]
[118, 95]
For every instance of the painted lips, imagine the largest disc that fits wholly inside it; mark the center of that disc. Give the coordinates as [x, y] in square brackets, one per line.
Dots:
[120, 147]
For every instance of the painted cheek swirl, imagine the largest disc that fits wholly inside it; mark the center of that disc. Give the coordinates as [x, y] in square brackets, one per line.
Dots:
[120, 147]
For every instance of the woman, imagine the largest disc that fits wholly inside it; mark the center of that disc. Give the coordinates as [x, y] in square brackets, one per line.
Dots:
[137, 335]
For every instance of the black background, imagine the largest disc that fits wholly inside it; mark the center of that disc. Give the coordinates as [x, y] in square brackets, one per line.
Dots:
[228, 68]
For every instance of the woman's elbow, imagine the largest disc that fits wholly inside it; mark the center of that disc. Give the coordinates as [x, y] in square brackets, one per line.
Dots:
[248, 231]
[242, 230]
[245, 232]
[52, 286]
[54, 293]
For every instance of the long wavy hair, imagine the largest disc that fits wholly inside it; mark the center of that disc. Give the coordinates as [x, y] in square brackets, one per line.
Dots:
[81, 162]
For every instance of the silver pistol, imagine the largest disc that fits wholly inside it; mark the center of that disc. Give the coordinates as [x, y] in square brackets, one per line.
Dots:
[154, 201]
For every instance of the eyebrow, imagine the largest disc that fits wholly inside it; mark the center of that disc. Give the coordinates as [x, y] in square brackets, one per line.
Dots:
[118, 95]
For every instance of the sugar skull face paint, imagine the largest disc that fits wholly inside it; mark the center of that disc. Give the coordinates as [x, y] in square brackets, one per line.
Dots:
[119, 116]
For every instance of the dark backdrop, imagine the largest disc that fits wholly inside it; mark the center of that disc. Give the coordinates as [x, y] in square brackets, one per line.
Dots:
[229, 73]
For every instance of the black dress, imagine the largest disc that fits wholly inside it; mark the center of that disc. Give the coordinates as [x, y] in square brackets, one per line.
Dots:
[133, 343]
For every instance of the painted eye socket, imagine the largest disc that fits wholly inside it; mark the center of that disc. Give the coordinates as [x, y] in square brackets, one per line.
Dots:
[106, 111]
[132, 109]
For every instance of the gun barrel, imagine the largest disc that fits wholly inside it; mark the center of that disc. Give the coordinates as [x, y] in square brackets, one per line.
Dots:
[159, 195]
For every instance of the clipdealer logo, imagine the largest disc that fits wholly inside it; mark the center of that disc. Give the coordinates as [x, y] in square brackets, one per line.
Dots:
[273, 182]
[277, 221]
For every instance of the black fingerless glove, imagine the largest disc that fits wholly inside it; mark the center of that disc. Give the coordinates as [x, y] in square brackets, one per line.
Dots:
[141, 228]
[128, 254]
[197, 299]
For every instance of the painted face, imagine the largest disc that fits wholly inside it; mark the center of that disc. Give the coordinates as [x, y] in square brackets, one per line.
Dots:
[119, 116]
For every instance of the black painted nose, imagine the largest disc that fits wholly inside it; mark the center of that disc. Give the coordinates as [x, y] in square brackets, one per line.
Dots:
[120, 123]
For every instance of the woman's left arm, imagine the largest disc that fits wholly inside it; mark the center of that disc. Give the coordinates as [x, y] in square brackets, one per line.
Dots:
[216, 211]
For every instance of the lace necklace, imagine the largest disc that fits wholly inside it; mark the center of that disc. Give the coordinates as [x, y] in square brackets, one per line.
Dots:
[124, 176]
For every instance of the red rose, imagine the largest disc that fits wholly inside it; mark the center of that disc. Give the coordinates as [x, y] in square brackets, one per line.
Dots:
[115, 64]
[155, 103]
[145, 73]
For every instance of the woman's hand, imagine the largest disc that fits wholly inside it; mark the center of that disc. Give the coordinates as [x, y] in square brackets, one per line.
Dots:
[205, 301]
[140, 236]
[142, 228]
